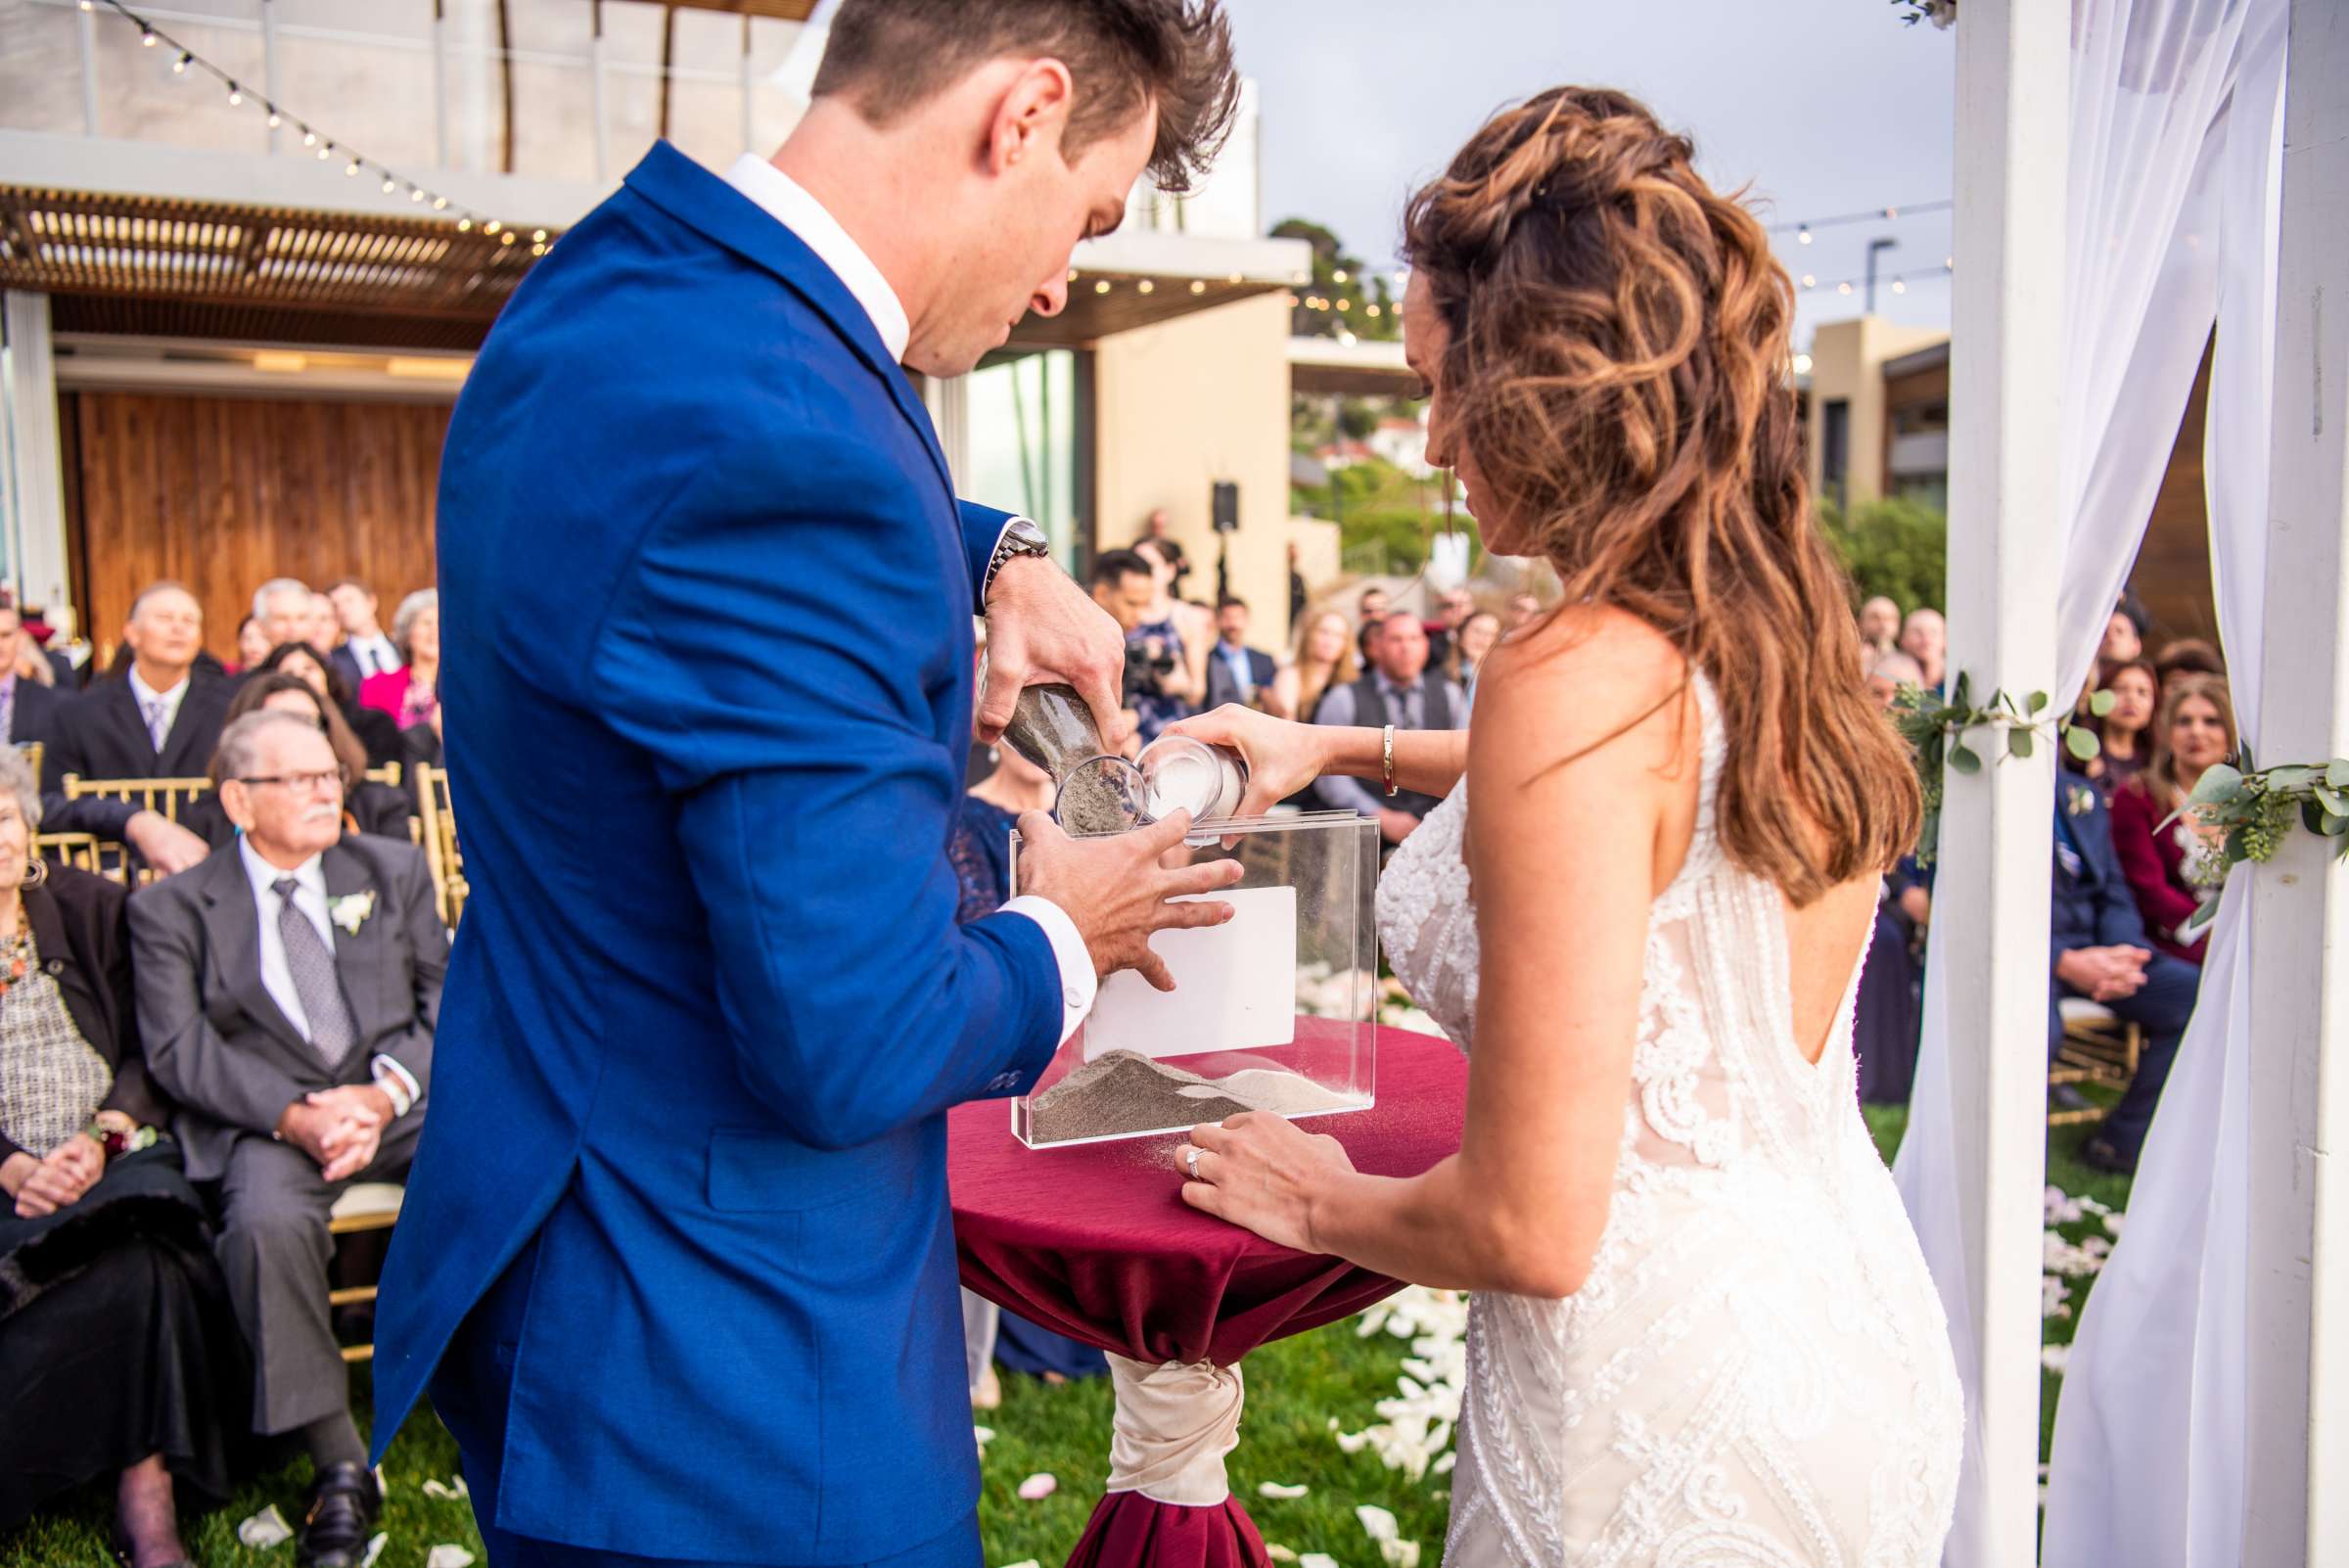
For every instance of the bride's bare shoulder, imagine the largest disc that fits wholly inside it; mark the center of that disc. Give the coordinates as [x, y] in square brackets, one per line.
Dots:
[1574, 678]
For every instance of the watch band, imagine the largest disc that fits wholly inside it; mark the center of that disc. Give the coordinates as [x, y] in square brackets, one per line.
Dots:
[1019, 537]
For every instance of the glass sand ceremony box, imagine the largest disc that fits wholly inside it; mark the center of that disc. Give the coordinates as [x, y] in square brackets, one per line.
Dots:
[1073, 1216]
[1272, 1011]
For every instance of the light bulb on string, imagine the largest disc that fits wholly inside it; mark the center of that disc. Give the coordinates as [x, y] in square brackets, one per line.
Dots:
[1101, 286]
[310, 137]
[390, 185]
[491, 227]
[464, 225]
[276, 119]
[1144, 286]
[1843, 287]
[537, 250]
[86, 4]
[1899, 286]
[179, 67]
[234, 97]
[538, 235]
[1198, 286]
[506, 238]
[415, 193]
[146, 36]
[1810, 280]
[439, 202]
[1803, 235]
[326, 152]
[352, 167]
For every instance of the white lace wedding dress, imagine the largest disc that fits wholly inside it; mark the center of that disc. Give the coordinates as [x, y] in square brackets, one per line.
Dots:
[1756, 1373]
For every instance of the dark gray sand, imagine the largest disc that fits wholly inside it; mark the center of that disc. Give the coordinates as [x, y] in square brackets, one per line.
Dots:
[1126, 1091]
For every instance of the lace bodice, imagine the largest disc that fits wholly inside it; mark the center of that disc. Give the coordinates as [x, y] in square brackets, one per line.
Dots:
[1756, 1369]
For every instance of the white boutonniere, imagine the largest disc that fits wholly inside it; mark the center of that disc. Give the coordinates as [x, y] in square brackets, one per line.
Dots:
[2081, 802]
[351, 911]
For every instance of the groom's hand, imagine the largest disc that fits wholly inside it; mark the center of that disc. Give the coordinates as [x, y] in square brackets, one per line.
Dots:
[1115, 889]
[1041, 626]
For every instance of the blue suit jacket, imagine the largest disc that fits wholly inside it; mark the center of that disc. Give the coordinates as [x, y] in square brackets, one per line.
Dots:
[2093, 906]
[706, 594]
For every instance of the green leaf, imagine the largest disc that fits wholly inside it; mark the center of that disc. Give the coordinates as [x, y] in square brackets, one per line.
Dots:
[2217, 783]
[1962, 759]
[2018, 743]
[2036, 701]
[1958, 693]
[2080, 744]
[2312, 817]
[2337, 773]
[2102, 704]
[2332, 800]
[2284, 781]
[2237, 848]
[2336, 827]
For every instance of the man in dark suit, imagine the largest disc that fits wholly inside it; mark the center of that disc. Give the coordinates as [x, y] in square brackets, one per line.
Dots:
[288, 991]
[1399, 689]
[363, 650]
[1235, 672]
[677, 1257]
[2099, 950]
[160, 719]
[27, 708]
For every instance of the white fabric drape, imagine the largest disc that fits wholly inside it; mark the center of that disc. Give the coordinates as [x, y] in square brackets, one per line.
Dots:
[2149, 81]
[2148, 1454]
[1173, 1426]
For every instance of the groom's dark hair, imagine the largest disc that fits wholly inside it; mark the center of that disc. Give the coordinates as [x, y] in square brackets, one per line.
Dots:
[887, 57]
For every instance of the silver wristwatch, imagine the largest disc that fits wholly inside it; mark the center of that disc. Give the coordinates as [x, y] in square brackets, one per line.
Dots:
[1019, 537]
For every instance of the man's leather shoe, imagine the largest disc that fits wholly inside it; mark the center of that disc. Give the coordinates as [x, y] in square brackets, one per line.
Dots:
[2102, 1154]
[344, 1503]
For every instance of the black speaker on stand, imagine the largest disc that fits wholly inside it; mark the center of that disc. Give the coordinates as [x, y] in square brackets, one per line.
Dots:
[1223, 512]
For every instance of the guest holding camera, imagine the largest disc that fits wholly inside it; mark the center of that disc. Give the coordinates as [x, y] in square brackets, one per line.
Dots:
[119, 1354]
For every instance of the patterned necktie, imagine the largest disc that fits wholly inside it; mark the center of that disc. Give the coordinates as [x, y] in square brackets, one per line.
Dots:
[158, 724]
[312, 961]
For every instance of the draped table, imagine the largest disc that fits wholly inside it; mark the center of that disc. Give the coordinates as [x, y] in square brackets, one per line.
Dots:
[1095, 1241]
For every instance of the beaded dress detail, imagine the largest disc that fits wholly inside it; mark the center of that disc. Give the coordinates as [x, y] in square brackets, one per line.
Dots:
[1756, 1372]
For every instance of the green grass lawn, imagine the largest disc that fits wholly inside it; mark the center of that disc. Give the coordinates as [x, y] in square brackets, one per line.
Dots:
[1294, 1388]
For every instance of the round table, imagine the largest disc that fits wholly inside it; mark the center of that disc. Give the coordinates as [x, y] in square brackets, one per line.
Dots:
[1094, 1240]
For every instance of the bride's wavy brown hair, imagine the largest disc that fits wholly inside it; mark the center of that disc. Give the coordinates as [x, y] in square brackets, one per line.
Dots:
[1620, 369]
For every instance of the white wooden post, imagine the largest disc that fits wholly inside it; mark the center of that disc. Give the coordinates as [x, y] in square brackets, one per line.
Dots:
[89, 72]
[595, 77]
[36, 476]
[2297, 1408]
[1990, 897]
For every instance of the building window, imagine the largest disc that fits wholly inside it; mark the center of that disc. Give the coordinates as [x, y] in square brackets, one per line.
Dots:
[1028, 426]
[1835, 447]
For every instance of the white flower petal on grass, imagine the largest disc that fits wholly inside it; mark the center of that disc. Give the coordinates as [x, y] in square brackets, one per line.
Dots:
[448, 1556]
[1039, 1487]
[1278, 1554]
[983, 1436]
[2055, 1357]
[446, 1492]
[1377, 1523]
[375, 1549]
[1316, 1559]
[265, 1528]
[1280, 1492]
[1024, 1563]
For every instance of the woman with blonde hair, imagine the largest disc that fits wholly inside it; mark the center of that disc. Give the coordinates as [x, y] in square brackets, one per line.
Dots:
[1323, 656]
[1702, 1329]
[2172, 870]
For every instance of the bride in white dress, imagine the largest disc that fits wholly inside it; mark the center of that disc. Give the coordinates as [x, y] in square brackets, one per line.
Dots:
[1702, 1332]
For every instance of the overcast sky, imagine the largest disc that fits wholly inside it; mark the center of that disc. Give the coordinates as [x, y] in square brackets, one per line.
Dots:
[1825, 106]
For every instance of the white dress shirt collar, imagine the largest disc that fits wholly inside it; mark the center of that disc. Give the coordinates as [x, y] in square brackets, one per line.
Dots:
[147, 696]
[789, 203]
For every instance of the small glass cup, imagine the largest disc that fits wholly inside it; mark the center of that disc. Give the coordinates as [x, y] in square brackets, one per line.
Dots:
[1179, 773]
[1102, 794]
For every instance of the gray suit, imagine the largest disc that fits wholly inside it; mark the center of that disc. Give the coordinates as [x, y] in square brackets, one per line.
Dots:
[224, 1050]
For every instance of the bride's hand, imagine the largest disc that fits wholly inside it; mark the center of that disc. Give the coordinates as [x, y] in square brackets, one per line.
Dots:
[1283, 755]
[1263, 1173]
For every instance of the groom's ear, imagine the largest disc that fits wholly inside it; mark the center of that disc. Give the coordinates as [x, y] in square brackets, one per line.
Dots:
[1031, 116]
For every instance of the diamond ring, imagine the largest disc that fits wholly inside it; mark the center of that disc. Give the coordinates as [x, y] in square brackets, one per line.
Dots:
[1191, 1157]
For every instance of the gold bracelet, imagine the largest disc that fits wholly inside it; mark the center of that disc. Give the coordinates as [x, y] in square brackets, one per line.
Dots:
[1386, 759]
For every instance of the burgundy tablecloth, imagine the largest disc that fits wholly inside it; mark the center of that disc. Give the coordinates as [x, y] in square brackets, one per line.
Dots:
[1094, 1240]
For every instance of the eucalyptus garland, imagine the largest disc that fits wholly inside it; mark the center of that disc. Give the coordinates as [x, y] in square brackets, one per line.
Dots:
[1933, 725]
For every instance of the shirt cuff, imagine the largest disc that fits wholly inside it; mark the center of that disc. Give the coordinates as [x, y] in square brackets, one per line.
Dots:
[992, 563]
[1078, 982]
[400, 1085]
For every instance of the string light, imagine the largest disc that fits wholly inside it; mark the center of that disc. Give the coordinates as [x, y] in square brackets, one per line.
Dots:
[1801, 228]
[150, 36]
[1899, 286]
[1101, 286]
[1843, 287]
[1810, 280]
[1803, 236]
[1339, 276]
[1144, 286]
[1198, 286]
[538, 237]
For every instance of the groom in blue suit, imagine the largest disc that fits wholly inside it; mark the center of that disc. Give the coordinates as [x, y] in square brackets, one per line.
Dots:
[675, 1263]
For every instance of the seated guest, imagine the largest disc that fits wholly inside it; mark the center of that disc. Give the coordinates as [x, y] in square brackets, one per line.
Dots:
[2124, 735]
[1879, 626]
[28, 707]
[1235, 672]
[2171, 870]
[156, 718]
[367, 806]
[1452, 609]
[1890, 1004]
[378, 735]
[1368, 610]
[1469, 644]
[2097, 943]
[1400, 690]
[2123, 644]
[980, 852]
[1925, 637]
[252, 646]
[2187, 656]
[282, 607]
[1324, 657]
[411, 693]
[288, 992]
[119, 1354]
[366, 651]
[1887, 672]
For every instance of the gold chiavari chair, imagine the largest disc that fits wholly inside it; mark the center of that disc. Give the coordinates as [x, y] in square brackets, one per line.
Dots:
[34, 752]
[389, 773]
[169, 796]
[439, 825]
[83, 852]
[363, 1206]
[2099, 1048]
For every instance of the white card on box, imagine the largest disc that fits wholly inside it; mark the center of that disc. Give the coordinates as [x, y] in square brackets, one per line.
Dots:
[1235, 986]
